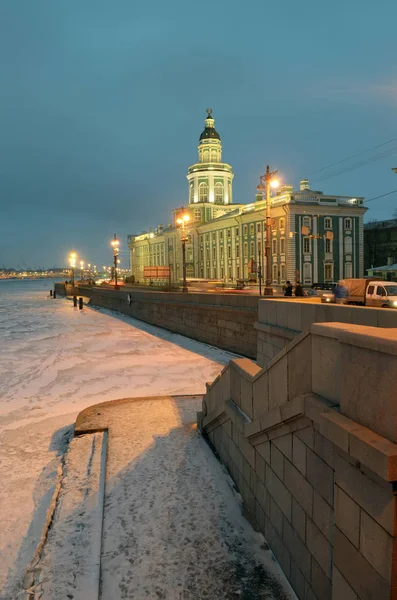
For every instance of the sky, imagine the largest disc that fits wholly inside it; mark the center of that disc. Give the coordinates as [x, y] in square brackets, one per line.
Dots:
[102, 104]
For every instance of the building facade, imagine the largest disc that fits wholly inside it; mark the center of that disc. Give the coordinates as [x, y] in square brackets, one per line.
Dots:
[314, 237]
[380, 243]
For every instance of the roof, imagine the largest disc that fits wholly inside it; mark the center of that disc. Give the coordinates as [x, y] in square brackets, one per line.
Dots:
[210, 133]
[389, 224]
[384, 268]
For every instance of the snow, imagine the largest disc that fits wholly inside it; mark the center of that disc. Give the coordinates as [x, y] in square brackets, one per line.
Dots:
[54, 361]
[173, 527]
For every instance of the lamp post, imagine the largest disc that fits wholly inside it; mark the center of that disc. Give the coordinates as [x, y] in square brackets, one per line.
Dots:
[82, 269]
[115, 243]
[268, 180]
[183, 219]
[72, 263]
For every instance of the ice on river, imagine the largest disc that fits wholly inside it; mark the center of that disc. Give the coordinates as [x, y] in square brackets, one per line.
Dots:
[54, 361]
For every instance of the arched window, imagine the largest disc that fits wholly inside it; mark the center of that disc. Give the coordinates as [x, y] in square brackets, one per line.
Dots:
[205, 155]
[203, 192]
[274, 246]
[282, 223]
[275, 273]
[252, 229]
[191, 193]
[282, 273]
[218, 193]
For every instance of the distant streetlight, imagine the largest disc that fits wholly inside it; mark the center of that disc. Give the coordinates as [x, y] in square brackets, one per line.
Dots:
[115, 243]
[82, 269]
[182, 221]
[268, 180]
[72, 263]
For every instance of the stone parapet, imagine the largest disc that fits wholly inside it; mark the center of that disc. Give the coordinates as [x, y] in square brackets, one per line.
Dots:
[281, 320]
[316, 468]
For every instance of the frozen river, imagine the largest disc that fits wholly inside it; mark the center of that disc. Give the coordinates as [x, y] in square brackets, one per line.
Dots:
[54, 361]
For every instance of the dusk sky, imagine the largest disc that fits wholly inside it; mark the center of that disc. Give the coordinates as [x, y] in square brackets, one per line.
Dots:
[102, 104]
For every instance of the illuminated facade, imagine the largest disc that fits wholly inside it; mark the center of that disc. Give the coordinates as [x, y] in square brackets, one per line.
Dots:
[315, 237]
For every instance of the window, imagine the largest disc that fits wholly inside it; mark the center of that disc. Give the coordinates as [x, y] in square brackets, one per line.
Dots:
[282, 223]
[328, 223]
[282, 246]
[258, 227]
[203, 192]
[238, 272]
[259, 248]
[282, 273]
[307, 273]
[205, 155]
[221, 251]
[245, 249]
[229, 233]
[237, 250]
[306, 245]
[348, 244]
[252, 229]
[229, 252]
[307, 222]
[197, 215]
[275, 273]
[348, 223]
[252, 248]
[274, 246]
[230, 272]
[348, 269]
[328, 245]
[218, 193]
[221, 235]
[214, 253]
[207, 237]
[237, 232]
[191, 193]
[371, 289]
[245, 229]
[328, 272]
[380, 291]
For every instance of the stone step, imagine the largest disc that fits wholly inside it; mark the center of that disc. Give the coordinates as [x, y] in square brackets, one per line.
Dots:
[69, 568]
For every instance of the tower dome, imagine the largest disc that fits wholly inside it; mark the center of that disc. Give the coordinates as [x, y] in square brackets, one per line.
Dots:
[209, 133]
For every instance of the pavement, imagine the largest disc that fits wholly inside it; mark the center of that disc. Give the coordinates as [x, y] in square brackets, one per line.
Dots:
[170, 519]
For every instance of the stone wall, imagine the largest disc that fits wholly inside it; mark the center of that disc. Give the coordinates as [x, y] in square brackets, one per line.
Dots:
[281, 320]
[310, 442]
[222, 320]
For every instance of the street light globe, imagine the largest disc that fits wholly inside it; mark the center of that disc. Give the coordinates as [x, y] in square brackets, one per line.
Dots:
[179, 221]
[274, 183]
[186, 218]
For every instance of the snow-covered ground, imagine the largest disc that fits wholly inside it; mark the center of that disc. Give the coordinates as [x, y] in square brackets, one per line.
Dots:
[54, 361]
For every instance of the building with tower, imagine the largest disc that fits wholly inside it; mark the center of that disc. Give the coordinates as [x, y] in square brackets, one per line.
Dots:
[315, 237]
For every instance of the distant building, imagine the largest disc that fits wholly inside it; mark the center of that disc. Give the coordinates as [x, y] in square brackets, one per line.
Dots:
[380, 243]
[315, 237]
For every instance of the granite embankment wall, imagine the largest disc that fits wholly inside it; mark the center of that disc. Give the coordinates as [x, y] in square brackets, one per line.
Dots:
[310, 441]
[222, 320]
[281, 320]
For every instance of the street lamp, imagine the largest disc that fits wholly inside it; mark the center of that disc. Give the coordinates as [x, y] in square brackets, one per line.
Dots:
[268, 180]
[182, 221]
[72, 263]
[82, 269]
[115, 243]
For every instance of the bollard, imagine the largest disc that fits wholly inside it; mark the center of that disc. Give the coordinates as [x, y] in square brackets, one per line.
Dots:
[74, 300]
[81, 303]
[55, 294]
[51, 293]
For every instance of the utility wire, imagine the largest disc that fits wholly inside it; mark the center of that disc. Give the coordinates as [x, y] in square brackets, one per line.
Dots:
[381, 196]
[352, 156]
[361, 163]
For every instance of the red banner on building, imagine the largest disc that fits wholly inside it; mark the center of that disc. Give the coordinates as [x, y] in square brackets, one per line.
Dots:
[156, 272]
